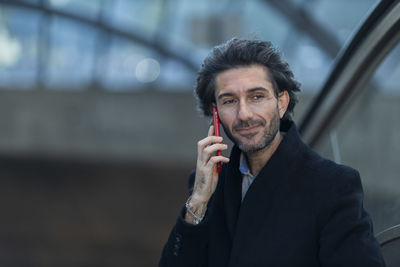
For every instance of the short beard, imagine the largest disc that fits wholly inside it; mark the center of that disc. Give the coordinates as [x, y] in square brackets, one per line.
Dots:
[268, 136]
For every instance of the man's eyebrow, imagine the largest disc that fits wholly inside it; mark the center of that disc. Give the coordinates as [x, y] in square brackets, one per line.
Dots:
[257, 89]
[224, 95]
[252, 90]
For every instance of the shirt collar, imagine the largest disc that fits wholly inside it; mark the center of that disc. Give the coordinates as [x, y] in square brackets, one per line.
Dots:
[244, 169]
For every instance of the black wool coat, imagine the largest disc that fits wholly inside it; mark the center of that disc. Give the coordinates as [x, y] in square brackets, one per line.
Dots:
[301, 210]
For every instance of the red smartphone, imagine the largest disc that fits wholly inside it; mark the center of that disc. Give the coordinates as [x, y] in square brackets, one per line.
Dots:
[217, 132]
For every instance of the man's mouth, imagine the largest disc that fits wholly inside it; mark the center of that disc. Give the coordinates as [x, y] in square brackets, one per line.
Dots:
[251, 130]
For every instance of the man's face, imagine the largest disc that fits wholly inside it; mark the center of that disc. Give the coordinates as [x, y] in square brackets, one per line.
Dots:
[248, 108]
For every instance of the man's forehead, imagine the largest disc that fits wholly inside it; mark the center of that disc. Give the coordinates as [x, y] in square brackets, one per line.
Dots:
[243, 78]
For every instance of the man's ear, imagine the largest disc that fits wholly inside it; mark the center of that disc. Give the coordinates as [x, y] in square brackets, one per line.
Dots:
[283, 102]
[210, 108]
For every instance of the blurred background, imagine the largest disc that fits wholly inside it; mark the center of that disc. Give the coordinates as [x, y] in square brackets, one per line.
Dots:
[98, 123]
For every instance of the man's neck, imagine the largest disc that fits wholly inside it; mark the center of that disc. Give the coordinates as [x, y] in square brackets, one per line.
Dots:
[257, 160]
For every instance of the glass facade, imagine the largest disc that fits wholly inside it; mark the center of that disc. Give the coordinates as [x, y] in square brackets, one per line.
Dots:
[367, 138]
[71, 44]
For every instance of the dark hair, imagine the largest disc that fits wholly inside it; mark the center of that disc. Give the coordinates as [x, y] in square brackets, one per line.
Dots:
[238, 53]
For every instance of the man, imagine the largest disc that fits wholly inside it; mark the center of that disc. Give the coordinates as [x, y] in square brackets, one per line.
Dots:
[276, 202]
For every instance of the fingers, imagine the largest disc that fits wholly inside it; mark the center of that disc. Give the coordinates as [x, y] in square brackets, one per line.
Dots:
[214, 160]
[211, 130]
[208, 146]
[214, 148]
[209, 141]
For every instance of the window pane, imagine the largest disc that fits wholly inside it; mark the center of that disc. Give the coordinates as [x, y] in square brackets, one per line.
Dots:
[128, 66]
[18, 48]
[140, 16]
[71, 54]
[89, 9]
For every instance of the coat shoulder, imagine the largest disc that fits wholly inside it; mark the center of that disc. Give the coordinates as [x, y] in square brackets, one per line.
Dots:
[324, 172]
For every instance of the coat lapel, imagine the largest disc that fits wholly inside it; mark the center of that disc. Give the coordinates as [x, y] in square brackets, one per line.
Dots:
[261, 194]
[232, 192]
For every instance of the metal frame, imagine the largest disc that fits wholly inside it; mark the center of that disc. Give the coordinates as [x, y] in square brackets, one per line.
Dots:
[356, 62]
[389, 235]
[301, 19]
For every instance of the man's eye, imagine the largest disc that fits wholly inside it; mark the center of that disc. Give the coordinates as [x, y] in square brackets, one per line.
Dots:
[227, 101]
[257, 97]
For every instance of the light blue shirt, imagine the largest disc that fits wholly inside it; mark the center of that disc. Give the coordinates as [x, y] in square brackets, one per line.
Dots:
[247, 177]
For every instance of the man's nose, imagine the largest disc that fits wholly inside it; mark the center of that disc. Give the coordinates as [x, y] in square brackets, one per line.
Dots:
[244, 113]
